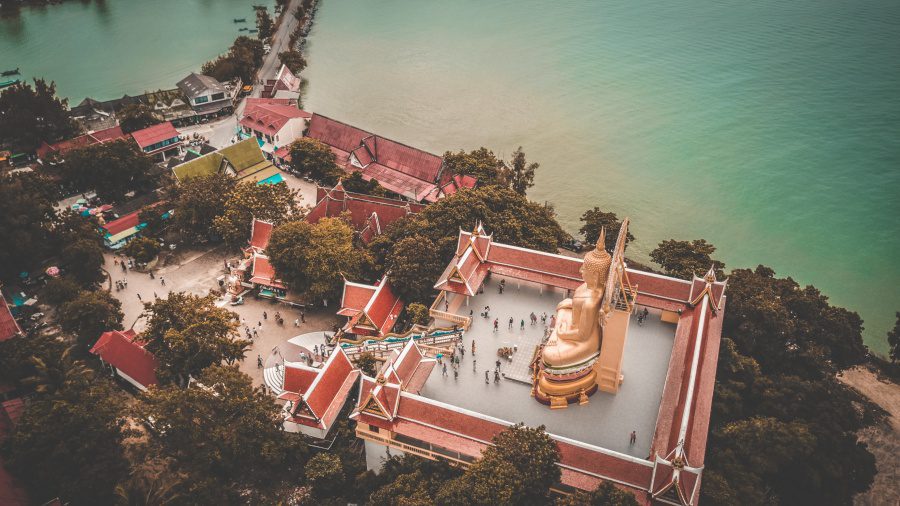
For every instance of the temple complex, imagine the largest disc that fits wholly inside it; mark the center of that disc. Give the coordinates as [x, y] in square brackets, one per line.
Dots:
[369, 215]
[630, 355]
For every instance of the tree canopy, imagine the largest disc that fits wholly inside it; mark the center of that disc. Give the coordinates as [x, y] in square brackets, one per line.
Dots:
[606, 494]
[275, 203]
[356, 184]
[90, 314]
[594, 219]
[684, 259]
[198, 202]
[264, 24]
[142, 249]
[111, 169]
[313, 158]
[314, 259]
[188, 333]
[83, 260]
[242, 60]
[135, 117]
[481, 163]
[521, 173]
[893, 339]
[30, 115]
[26, 222]
[293, 59]
[226, 435]
[414, 264]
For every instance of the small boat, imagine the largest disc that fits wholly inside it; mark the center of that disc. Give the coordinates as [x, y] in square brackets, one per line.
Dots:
[13, 72]
[11, 82]
[241, 20]
[253, 31]
[243, 29]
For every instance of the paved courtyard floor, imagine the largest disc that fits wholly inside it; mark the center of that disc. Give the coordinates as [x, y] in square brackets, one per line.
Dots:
[197, 272]
[606, 421]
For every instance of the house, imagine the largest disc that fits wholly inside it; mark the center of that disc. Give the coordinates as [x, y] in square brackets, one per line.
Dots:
[371, 310]
[170, 105]
[369, 215]
[285, 85]
[243, 160]
[48, 152]
[160, 140]
[663, 371]
[404, 170]
[315, 396]
[275, 123]
[9, 327]
[207, 96]
[255, 270]
[125, 354]
[118, 232]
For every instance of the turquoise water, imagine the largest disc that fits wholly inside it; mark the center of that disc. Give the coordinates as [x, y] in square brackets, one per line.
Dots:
[770, 128]
[105, 49]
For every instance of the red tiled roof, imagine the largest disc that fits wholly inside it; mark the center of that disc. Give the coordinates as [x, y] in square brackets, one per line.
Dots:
[356, 296]
[154, 134]
[398, 167]
[9, 328]
[122, 224]
[98, 137]
[122, 351]
[329, 383]
[263, 273]
[298, 379]
[408, 361]
[260, 233]
[269, 115]
[369, 215]
[384, 306]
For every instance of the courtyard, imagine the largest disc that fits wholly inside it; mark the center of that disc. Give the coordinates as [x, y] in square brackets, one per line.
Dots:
[606, 421]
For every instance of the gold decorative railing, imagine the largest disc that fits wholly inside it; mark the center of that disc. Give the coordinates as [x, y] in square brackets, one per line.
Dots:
[464, 321]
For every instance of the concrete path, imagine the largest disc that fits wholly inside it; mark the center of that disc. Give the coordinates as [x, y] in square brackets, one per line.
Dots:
[279, 44]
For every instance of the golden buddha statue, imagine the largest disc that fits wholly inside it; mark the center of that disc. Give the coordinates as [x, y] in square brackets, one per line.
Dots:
[566, 370]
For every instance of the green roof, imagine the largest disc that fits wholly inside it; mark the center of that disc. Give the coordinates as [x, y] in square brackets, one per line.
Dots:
[202, 166]
[244, 154]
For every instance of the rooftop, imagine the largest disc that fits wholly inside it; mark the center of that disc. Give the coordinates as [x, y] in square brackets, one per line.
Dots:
[195, 85]
[154, 134]
[606, 421]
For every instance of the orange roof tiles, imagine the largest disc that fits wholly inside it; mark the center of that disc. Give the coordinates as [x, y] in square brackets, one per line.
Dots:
[153, 134]
[123, 351]
[9, 328]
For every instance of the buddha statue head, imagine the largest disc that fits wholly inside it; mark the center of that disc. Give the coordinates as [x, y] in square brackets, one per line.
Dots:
[595, 268]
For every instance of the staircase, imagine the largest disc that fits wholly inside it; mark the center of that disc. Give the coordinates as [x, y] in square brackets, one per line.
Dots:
[274, 378]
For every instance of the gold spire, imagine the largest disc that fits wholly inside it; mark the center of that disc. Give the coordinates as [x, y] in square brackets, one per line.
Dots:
[710, 276]
[598, 261]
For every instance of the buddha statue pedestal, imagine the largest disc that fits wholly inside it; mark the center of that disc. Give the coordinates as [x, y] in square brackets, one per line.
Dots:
[560, 390]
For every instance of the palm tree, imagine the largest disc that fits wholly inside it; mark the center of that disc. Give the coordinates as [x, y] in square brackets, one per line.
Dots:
[55, 373]
[151, 483]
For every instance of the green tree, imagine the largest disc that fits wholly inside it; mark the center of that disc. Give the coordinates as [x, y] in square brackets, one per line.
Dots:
[91, 314]
[55, 373]
[152, 219]
[275, 203]
[418, 314]
[188, 333]
[111, 169]
[242, 60]
[60, 290]
[26, 222]
[293, 59]
[198, 202]
[325, 473]
[481, 163]
[83, 260]
[142, 249]
[264, 24]
[606, 494]
[313, 158]
[367, 363]
[684, 259]
[519, 468]
[225, 435]
[315, 258]
[30, 115]
[521, 173]
[414, 265]
[152, 482]
[356, 184]
[135, 117]
[64, 438]
[594, 219]
[893, 338]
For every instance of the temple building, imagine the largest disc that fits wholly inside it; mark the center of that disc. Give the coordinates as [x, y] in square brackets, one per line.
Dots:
[315, 395]
[371, 310]
[369, 215]
[124, 353]
[255, 271]
[409, 172]
[618, 364]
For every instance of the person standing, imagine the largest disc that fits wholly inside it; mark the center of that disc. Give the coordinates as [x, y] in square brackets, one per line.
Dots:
[455, 374]
[139, 298]
[522, 325]
[496, 324]
[162, 281]
[302, 317]
[633, 438]
[259, 363]
[473, 347]
[265, 315]
[152, 276]
[487, 378]
[510, 322]
[445, 369]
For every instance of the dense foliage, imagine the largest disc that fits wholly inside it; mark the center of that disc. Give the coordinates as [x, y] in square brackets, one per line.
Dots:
[242, 60]
[142, 249]
[30, 115]
[90, 314]
[275, 203]
[593, 220]
[188, 333]
[198, 202]
[313, 158]
[264, 24]
[135, 117]
[356, 184]
[315, 259]
[111, 169]
[293, 59]
[685, 259]
[26, 222]
[893, 339]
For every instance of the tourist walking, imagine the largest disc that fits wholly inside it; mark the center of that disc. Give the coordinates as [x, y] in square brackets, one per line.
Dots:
[473, 347]
[162, 281]
[296, 322]
[139, 298]
[498, 365]
[445, 369]
[155, 296]
[522, 325]
[455, 374]
[510, 322]
[259, 364]
[487, 378]
[152, 276]
[265, 315]
[496, 377]
[302, 317]
[633, 438]
[496, 324]
[474, 365]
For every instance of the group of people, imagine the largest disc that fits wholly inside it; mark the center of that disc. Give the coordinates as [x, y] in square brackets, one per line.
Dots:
[642, 315]
[544, 319]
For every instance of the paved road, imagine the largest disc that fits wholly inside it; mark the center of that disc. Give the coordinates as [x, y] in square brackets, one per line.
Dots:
[280, 41]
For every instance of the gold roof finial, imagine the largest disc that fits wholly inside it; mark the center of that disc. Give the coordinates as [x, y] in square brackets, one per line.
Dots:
[597, 262]
[601, 241]
[710, 276]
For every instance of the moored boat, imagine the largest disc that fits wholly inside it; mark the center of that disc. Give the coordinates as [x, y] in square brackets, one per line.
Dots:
[11, 82]
[13, 72]
[240, 20]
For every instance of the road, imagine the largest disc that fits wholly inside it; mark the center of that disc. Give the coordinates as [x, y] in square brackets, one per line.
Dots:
[280, 41]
